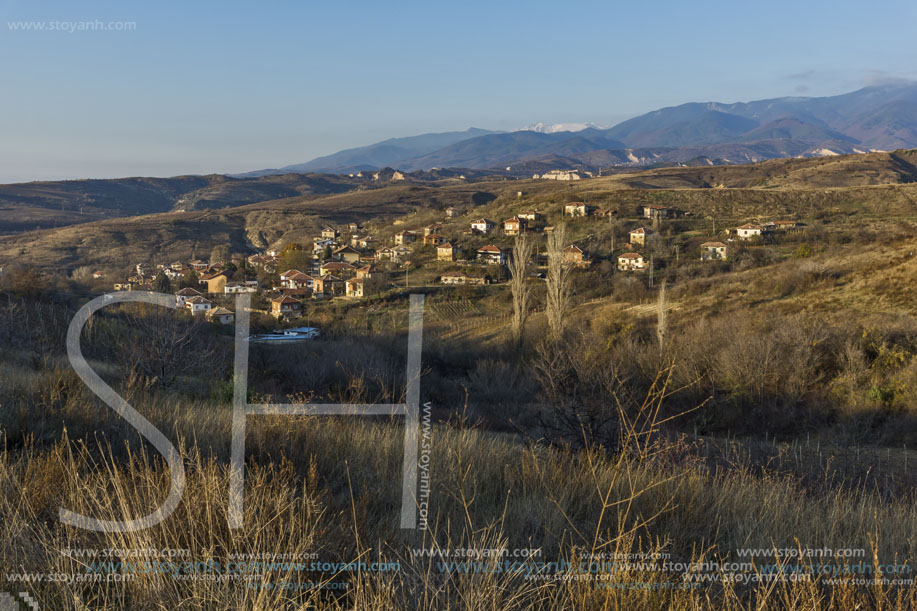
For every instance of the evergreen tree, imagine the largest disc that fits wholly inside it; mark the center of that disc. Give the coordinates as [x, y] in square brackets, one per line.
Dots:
[161, 283]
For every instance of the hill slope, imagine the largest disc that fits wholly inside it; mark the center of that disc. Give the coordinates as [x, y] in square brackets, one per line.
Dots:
[873, 184]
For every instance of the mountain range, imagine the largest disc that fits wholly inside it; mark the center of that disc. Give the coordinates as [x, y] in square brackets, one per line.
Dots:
[710, 133]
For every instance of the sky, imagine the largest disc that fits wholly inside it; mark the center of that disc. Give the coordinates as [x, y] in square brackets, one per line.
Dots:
[167, 88]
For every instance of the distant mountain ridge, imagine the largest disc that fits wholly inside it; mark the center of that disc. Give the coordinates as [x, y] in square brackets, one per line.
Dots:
[379, 155]
[869, 119]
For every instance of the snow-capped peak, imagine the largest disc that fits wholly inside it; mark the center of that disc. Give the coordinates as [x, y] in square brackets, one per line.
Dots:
[557, 127]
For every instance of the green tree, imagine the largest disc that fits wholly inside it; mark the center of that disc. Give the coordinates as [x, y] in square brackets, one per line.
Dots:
[190, 279]
[161, 283]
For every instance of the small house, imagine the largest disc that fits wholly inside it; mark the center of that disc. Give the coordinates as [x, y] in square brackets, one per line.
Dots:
[575, 255]
[346, 253]
[639, 236]
[434, 239]
[575, 209]
[445, 252]
[492, 255]
[631, 262]
[198, 305]
[712, 251]
[749, 231]
[461, 278]
[221, 316]
[405, 237]
[286, 307]
[184, 295]
[515, 226]
[482, 226]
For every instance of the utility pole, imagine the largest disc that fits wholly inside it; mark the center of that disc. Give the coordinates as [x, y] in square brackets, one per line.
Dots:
[651, 270]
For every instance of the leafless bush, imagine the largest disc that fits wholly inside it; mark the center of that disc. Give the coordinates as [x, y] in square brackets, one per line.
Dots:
[155, 347]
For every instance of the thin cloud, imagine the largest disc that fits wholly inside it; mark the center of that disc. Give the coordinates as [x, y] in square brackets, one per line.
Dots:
[800, 76]
[873, 78]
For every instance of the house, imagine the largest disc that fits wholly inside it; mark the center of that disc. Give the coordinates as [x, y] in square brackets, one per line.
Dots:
[300, 293]
[371, 271]
[749, 231]
[328, 285]
[575, 255]
[97, 274]
[483, 226]
[330, 233]
[786, 225]
[386, 254]
[712, 251]
[174, 274]
[491, 255]
[296, 280]
[319, 245]
[434, 239]
[461, 278]
[237, 288]
[346, 253]
[363, 287]
[659, 212]
[221, 316]
[434, 228]
[405, 237]
[532, 216]
[198, 265]
[363, 242]
[445, 252]
[140, 280]
[123, 286]
[184, 295]
[577, 209]
[266, 262]
[286, 307]
[198, 305]
[340, 268]
[288, 274]
[216, 281]
[562, 175]
[639, 236]
[144, 269]
[515, 226]
[353, 227]
[631, 262]
[451, 212]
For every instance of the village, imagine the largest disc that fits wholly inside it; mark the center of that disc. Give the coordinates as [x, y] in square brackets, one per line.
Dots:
[347, 262]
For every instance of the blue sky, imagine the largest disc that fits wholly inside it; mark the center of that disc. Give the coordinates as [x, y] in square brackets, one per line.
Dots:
[229, 86]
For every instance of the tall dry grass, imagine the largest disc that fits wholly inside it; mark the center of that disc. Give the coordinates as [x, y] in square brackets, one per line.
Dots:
[330, 487]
